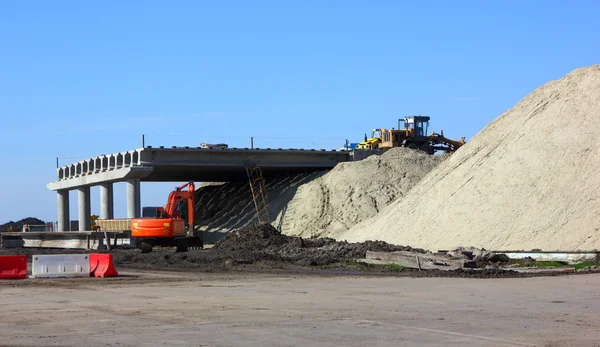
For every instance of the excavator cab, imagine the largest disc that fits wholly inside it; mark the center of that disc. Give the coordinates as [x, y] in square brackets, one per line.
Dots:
[152, 212]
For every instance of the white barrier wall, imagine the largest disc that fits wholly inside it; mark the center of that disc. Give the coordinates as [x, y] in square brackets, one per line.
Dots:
[60, 265]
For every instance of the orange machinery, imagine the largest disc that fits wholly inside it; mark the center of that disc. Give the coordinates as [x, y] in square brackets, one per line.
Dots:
[165, 226]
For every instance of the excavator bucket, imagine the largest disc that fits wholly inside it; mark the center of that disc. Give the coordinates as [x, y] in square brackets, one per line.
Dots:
[195, 242]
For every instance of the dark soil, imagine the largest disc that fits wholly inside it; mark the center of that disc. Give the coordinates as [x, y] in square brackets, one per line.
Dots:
[265, 243]
[261, 248]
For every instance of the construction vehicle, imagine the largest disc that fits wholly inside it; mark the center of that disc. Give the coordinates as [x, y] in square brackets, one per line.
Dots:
[94, 223]
[165, 226]
[32, 227]
[214, 145]
[122, 224]
[411, 133]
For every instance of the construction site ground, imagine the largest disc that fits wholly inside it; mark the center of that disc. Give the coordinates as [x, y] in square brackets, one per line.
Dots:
[144, 307]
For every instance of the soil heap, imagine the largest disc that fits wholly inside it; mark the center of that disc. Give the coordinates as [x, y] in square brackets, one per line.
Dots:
[223, 207]
[260, 247]
[315, 204]
[530, 179]
[354, 191]
[263, 242]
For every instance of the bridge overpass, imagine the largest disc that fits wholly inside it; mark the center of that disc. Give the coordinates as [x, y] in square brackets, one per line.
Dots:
[177, 164]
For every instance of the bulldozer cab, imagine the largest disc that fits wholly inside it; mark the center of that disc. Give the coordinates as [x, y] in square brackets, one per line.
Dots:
[415, 126]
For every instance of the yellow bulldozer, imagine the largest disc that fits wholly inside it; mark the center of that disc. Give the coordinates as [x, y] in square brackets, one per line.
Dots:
[411, 133]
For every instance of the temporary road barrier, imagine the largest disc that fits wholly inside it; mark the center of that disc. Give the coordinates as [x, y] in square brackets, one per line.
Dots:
[13, 267]
[61, 265]
[101, 265]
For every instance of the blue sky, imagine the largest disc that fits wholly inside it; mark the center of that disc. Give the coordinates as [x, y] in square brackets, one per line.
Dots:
[78, 79]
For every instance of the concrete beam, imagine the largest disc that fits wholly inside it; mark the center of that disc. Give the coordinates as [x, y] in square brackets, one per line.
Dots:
[426, 261]
[75, 240]
[62, 203]
[101, 177]
[133, 198]
[240, 157]
[107, 210]
[84, 208]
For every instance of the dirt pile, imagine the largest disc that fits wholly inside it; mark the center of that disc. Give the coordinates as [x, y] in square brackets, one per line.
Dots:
[223, 207]
[353, 192]
[265, 243]
[315, 204]
[262, 247]
[530, 179]
[18, 225]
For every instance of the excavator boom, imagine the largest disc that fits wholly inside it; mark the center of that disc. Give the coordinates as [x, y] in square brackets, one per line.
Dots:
[172, 208]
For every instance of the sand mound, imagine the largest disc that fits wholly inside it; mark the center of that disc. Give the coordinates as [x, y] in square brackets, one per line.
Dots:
[530, 179]
[315, 204]
[354, 191]
[223, 207]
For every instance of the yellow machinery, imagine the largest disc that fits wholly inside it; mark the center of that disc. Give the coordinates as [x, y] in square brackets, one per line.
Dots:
[411, 133]
[93, 225]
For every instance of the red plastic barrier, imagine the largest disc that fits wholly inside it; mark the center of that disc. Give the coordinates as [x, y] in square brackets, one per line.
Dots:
[101, 265]
[13, 267]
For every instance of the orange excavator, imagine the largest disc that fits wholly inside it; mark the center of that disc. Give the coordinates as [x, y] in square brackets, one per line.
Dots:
[165, 226]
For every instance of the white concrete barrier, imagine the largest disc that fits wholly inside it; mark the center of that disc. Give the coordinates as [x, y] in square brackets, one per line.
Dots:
[60, 265]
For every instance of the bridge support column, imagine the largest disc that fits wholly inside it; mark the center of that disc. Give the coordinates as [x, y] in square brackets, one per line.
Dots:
[64, 222]
[84, 208]
[133, 198]
[107, 210]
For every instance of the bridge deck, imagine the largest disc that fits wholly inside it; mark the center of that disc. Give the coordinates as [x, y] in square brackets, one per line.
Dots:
[197, 164]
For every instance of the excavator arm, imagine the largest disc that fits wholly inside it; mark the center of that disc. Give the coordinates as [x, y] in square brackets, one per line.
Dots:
[172, 208]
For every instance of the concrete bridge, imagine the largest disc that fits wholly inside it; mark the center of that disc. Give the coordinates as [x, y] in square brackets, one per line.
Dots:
[177, 164]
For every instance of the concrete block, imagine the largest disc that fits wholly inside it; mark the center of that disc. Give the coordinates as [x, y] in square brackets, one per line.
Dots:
[60, 265]
[414, 260]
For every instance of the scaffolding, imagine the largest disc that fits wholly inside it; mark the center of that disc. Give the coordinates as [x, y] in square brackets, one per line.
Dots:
[259, 192]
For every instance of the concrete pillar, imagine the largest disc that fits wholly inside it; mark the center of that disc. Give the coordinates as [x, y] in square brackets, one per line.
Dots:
[133, 198]
[64, 223]
[84, 208]
[107, 210]
[138, 198]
